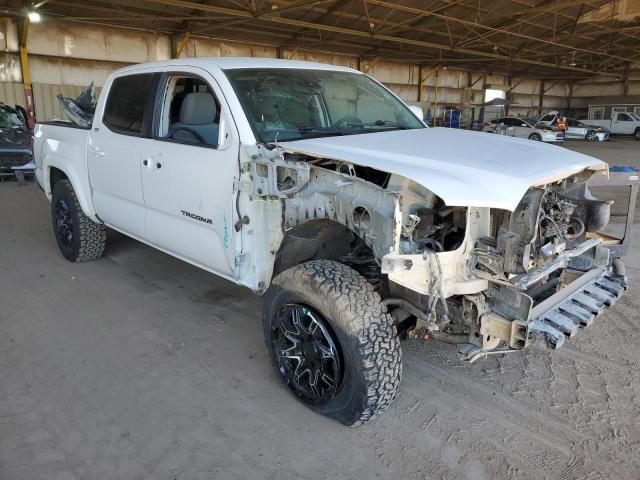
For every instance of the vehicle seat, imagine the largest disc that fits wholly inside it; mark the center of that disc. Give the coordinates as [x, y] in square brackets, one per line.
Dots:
[198, 113]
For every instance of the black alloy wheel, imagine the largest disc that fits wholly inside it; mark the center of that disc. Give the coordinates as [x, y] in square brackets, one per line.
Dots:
[306, 353]
[63, 222]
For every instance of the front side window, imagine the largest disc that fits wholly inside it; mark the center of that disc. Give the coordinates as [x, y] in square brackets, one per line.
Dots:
[125, 107]
[623, 117]
[292, 104]
[190, 111]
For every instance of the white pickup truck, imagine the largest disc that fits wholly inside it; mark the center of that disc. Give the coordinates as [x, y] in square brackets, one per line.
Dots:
[315, 186]
[620, 123]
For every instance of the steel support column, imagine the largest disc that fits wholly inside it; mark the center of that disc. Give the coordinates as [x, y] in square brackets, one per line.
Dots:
[26, 75]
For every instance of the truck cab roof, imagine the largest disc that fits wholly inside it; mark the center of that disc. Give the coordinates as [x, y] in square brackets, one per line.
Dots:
[232, 63]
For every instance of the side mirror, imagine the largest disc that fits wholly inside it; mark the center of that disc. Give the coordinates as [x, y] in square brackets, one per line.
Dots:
[417, 111]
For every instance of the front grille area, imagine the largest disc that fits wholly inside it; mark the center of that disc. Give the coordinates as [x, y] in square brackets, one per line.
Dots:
[13, 159]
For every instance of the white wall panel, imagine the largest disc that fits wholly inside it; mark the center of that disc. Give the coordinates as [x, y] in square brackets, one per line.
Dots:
[99, 43]
[10, 68]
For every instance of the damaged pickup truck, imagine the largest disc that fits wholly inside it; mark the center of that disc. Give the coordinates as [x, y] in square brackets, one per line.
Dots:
[318, 188]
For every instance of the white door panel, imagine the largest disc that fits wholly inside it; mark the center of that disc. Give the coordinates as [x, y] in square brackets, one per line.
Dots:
[115, 179]
[188, 194]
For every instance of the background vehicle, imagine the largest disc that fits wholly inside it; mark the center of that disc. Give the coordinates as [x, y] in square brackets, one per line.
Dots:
[318, 188]
[15, 139]
[581, 131]
[620, 123]
[523, 128]
[577, 129]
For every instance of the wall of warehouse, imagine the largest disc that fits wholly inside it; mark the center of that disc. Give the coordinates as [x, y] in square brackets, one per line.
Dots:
[65, 57]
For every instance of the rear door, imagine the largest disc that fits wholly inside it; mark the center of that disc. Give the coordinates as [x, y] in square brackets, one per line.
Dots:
[522, 128]
[622, 123]
[189, 171]
[117, 144]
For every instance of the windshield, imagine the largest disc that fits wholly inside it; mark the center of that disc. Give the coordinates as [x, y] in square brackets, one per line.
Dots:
[635, 116]
[291, 104]
[9, 118]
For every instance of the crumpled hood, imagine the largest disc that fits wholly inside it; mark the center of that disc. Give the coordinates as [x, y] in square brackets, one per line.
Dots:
[463, 168]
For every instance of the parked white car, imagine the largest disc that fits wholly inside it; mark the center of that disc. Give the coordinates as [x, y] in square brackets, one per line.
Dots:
[523, 128]
[317, 187]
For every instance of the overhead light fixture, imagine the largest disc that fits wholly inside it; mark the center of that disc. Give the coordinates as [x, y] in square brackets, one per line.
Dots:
[34, 17]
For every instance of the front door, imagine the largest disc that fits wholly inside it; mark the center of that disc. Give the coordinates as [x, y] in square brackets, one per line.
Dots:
[622, 123]
[188, 175]
[116, 147]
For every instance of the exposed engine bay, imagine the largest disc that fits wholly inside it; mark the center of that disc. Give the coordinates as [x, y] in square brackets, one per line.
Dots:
[480, 277]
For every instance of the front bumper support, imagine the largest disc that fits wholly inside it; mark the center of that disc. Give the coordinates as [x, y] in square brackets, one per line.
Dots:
[577, 309]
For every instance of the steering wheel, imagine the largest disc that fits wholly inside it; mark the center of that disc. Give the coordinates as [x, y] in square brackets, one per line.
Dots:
[196, 135]
[345, 120]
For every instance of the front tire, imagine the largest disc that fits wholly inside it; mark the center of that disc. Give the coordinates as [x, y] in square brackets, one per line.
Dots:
[332, 342]
[637, 134]
[79, 238]
[535, 137]
[592, 136]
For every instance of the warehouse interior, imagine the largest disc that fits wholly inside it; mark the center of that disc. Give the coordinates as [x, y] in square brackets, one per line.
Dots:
[143, 366]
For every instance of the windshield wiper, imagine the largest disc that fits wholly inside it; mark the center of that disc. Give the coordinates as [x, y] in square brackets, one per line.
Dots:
[384, 123]
[320, 130]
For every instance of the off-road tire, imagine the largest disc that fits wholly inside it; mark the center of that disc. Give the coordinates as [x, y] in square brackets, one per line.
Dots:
[365, 333]
[535, 137]
[88, 238]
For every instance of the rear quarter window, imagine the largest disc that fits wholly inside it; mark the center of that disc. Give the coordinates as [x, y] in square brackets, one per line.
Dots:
[126, 102]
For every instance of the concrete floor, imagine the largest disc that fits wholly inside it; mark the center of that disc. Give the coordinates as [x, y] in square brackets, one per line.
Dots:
[141, 366]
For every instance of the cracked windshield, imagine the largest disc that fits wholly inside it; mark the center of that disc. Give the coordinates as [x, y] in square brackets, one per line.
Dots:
[291, 104]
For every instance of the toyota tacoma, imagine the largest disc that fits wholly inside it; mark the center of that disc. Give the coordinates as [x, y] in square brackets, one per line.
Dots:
[318, 188]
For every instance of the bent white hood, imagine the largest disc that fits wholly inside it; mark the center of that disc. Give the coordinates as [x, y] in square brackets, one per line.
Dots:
[463, 168]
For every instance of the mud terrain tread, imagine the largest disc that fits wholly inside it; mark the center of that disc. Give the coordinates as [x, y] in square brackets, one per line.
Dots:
[93, 236]
[378, 344]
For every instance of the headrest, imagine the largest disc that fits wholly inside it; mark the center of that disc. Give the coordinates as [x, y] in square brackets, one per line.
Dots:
[198, 108]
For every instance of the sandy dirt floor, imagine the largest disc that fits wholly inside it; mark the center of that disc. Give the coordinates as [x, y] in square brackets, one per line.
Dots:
[140, 366]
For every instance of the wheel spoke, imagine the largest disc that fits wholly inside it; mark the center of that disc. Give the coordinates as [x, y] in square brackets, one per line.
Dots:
[306, 352]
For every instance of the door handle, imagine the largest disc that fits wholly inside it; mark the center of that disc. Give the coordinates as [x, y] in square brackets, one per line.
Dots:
[97, 152]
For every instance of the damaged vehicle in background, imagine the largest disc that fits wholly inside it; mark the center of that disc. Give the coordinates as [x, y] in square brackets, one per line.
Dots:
[576, 129]
[15, 139]
[317, 187]
[522, 127]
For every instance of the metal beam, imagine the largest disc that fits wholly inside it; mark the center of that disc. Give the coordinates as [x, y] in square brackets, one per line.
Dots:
[26, 74]
[360, 33]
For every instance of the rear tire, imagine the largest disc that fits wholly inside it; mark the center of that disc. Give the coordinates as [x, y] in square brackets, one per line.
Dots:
[79, 238]
[535, 137]
[351, 318]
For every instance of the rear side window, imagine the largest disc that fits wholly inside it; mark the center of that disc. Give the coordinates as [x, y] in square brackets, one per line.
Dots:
[125, 107]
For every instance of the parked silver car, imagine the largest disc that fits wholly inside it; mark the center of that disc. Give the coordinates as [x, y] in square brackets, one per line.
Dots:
[576, 129]
[523, 127]
[581, 131]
